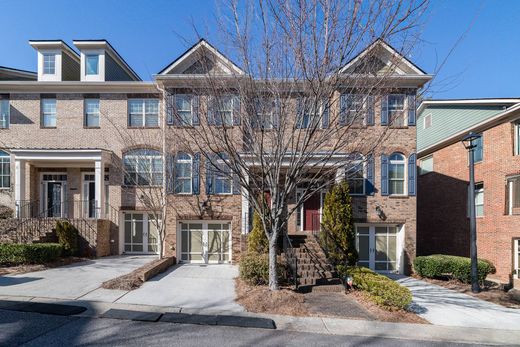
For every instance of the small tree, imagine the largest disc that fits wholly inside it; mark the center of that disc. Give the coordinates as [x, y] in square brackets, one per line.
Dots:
[68, 237]
[339, 236]
[257, 241]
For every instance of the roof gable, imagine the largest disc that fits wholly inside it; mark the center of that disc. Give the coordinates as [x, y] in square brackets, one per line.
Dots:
[202, 58]
[381, 58]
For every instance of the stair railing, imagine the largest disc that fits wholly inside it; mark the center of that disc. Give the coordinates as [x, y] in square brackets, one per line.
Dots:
[291, 259]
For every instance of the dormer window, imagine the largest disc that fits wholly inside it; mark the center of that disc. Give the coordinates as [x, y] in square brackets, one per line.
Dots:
[92, 64]
[49, 63]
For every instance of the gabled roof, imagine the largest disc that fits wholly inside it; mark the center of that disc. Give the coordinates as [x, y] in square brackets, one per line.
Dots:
[193, 54]
[55, 44]
[386, 53]
[104, 44]
[9, 73]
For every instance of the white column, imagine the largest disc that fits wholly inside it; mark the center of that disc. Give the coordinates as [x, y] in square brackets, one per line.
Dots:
[245, 209]
[340, 174]
[100, 188]
[19, 182]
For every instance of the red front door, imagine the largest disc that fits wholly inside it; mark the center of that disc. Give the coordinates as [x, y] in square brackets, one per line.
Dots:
[311, 210]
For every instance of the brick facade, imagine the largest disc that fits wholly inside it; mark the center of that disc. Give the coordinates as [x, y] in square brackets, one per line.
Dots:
[442, 222]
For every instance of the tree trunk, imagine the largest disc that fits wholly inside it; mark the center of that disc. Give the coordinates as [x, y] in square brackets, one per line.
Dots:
[273, 276]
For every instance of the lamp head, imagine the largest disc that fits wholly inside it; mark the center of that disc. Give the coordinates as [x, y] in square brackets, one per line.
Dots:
[469, 140]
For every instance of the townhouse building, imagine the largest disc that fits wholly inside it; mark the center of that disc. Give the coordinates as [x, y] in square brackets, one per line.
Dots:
[65, 153]
[442, 205]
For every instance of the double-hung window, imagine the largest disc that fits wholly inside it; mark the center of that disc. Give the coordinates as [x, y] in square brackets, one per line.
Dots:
[396, 174]
[5, 170]
[92, 113]
[49, 63]
[142, 167]
[479, 199]
[183, 173]
[184, 108]
[355, 175]
[48, 113]
[354, 110]
[4, 114]
[223, 178]
[143, 113]
[224, 107]
[265, 111]
[396, 114]
[91, 64]
[513, 186]
[517, 137]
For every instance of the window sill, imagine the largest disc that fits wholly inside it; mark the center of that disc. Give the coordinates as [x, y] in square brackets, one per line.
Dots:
[155, 127]
[4, 128]
[86, 127]
[401, 196]
[42, 127]
[398, 127]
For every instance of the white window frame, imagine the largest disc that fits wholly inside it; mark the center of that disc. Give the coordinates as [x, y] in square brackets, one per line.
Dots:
[309, 115]
[45, 64]
[5, 114]
[183, 121]
[44, 114]
[144, 114]
[510, 187]
[360, 160]
[357, 99]
[405, 173]
[184, 161]
[90, 55]
[92, 114]
[402, 111]
[421, 168]
[477, 192]
[430, 117]
[139, 167]
[219, 102]
[219, 175]
[517, 137]
[265, 120]
[516, 252]
[5, 158]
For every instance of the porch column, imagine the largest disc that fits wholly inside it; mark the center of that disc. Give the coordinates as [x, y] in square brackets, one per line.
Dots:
[245, 209]
[99, 179]
[19, 183]
[340, 174]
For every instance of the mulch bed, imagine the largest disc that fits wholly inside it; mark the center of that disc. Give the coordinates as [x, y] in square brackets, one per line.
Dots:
[136, 278]
[491, 291]
[24, 268]
[285, 301]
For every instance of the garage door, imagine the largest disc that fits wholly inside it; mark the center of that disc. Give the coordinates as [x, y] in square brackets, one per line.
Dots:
[205, 242]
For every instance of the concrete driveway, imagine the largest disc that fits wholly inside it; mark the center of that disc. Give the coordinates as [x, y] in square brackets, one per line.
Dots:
[190, 287]
[76, 281]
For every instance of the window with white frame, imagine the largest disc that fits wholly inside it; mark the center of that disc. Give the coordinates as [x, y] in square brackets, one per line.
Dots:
[184, 108]
[355, 175]
[513, 186]
[396, 174]
[91, 64]
[516, 252]
[426, 165]
[517, 137]
[142, 167]
[92, 113]
[396, 114]
[183, 173]
[312, 113]
[479, 199]
[4, 113]
[5, 170]
[478, 151]
[223, 178]
[354, 110]
[427, 121]
[223, 108]
[143, 113]
[48, 113]
[265, 109]
[49, 63]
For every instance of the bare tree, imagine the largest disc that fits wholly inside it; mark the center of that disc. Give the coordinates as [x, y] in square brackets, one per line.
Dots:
[281, 119]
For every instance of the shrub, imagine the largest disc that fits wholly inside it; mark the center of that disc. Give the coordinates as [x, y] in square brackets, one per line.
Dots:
[6, 212]
[448, 265]
[254, 269]
[257, 241]
[34, 253]
[67, 237]
[380, 289]
[339, 236]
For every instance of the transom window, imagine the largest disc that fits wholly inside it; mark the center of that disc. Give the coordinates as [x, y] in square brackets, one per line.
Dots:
[4, 114]
[143, 113]
[143, 167]
[49, 63]
[92, 113]
[183, 173]
[92, 64]
[49, 113]
[5, 170]
[396, 109]
[184, 107]
[355, 175]
[396, 174]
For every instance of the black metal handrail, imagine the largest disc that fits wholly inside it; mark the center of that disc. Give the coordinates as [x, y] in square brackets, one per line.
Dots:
[291, 259]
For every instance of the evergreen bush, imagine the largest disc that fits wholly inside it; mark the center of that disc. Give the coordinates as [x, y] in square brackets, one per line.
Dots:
[67, 237]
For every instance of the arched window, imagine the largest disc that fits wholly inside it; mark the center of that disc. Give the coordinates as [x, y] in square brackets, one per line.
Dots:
[396, 174]
[5, 170]
[142, 167]
[355, 174]
[183, 173]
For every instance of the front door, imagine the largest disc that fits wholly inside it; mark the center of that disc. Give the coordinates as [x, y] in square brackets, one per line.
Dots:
[205, 242]
[377, 247]
[54, 199]
[141, 235]
[88, 203]
[53, 190]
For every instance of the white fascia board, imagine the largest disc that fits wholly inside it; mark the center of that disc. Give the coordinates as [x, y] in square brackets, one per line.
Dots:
[55, 45]
[58, 154]
[426, 103]
[77, 86]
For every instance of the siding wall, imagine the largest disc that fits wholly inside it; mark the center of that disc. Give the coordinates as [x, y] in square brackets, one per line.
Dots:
[70, 68]
[114, 72]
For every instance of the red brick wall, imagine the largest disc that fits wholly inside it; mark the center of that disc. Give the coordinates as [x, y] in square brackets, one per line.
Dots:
[442, 223]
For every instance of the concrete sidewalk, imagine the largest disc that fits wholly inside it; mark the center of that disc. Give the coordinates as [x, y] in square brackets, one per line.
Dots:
[442, 306]
[329, 326]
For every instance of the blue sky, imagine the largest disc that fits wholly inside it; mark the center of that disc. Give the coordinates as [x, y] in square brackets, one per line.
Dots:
[150, 34]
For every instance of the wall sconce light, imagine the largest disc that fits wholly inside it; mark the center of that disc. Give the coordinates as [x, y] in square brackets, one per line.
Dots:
[380, 213]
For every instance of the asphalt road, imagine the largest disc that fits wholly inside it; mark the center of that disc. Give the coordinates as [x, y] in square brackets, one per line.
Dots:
[34, 329]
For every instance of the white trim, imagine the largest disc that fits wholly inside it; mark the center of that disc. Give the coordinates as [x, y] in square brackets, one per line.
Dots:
[516, 252]
[404, 161]
[100, 76]
[425, 103]
[44, 193]
[59, 154]
[205, 259]
[144, 244]
[431, 120]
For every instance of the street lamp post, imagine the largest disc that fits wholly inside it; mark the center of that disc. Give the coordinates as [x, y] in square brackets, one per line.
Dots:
[469, 144]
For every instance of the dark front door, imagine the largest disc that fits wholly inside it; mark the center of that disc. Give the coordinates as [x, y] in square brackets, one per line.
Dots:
[91, 199]
[311, 208]
[54, 203]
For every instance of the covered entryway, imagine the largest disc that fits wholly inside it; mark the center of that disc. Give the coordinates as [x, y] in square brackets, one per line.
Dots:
[308, 216]
[205, 241]
[140, 233]
[378, 247]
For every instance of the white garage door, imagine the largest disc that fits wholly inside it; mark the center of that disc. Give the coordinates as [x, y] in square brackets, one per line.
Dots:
[205, 242]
